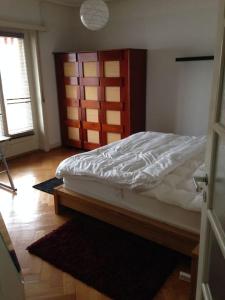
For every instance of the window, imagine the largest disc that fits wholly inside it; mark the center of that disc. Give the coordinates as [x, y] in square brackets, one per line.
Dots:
[15, 101]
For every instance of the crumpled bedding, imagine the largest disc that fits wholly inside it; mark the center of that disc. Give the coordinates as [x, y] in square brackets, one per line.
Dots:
[177, 188]
[139, 163]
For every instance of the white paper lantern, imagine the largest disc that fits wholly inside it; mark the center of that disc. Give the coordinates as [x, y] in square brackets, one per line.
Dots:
[94, 14]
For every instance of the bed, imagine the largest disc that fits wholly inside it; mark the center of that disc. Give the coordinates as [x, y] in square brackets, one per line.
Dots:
[142, 184]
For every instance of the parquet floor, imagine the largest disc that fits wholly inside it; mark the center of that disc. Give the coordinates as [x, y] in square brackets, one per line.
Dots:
[29, 215]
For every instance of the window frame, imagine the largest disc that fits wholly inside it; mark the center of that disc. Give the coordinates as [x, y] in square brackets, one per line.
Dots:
[29, 66]
[3, 112]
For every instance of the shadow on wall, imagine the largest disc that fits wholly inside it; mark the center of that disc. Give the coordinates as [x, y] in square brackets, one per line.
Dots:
[178, 93]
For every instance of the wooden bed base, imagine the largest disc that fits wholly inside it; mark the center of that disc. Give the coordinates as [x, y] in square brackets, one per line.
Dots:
[156, 231]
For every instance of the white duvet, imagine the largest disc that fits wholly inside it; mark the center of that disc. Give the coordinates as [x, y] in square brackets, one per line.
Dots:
[140, 163]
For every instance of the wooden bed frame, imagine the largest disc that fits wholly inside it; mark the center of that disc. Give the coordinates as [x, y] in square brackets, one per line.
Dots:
[156, 231]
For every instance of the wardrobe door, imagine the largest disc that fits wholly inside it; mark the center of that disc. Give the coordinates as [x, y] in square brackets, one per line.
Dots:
[67, 73]
[90, 99]
[113, 69]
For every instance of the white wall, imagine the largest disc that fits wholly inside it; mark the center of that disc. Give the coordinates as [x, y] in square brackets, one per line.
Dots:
[60, 36]
[24, 11]
[177, 93]
[194, 82]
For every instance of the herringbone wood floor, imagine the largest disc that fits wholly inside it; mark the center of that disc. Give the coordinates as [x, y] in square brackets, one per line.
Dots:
[29, 215]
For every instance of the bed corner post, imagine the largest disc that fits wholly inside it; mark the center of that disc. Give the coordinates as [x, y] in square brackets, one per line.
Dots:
[56, 201]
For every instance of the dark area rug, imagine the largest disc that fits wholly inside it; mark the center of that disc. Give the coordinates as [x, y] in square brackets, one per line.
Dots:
[48, 185]
[114, 262]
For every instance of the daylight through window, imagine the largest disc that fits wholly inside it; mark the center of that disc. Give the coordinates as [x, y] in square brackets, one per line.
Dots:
[15, 111]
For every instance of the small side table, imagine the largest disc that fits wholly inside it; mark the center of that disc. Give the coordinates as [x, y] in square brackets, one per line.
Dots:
[11, 187]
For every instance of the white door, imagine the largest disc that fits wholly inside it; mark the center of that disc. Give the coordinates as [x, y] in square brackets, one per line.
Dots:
[11, 286]
[211, 269]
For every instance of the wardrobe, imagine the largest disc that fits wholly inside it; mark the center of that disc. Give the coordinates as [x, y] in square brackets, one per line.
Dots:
[101, 96]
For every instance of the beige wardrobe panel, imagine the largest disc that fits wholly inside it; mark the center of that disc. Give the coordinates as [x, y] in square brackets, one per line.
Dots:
[113, 137]
[69, 69]
[90, 69]
[92, 115]
[71, 91]
[112, 93]
[112, 69]
[91, 93]
[113, 117]
[93, 136]
[72, 113]
[73, 133]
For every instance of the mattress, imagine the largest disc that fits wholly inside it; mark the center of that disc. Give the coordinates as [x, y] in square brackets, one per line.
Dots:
[150, 164]
[142, 204]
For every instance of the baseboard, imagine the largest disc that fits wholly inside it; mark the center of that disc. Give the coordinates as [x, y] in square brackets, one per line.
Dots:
[24, 154]
[55, 146]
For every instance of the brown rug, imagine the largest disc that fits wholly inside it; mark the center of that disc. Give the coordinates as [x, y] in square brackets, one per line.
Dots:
[114, 262]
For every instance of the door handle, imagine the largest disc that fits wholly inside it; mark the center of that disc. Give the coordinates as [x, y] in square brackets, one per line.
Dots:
[197, 180]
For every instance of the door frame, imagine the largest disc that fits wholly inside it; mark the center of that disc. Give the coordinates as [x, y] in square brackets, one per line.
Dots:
[208, 221]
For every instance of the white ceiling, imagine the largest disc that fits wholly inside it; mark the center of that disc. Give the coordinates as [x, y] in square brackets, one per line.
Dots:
[74, 3]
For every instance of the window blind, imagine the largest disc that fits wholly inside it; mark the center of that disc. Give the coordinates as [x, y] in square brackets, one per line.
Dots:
[15, 85]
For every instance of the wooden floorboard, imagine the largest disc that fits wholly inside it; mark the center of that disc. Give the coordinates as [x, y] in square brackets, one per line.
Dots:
[29, 215]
